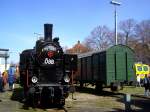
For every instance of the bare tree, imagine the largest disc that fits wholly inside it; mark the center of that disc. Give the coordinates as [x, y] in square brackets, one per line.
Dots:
[120, 38]
[143, 31]
[88, 44]
[127, 29]
[99, 38]
[135, 35]
[142, 52]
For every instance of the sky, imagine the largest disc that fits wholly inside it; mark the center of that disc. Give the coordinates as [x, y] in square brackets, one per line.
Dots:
[22, 20]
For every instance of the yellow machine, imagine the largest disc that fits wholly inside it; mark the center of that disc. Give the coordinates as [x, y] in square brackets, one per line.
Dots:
[142, 70]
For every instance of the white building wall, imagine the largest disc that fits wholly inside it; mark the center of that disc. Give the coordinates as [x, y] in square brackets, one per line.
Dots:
[2, 67]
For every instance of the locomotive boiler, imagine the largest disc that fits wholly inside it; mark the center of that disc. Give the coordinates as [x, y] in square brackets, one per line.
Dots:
[45, 71]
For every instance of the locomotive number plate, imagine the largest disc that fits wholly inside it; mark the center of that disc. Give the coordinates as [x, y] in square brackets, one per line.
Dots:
[49, 61]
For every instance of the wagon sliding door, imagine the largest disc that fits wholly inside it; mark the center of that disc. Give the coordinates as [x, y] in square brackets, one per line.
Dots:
[89, 69]
[110, 68]
[84, 69]
[120, 74]
[130, 63]
[95, 67]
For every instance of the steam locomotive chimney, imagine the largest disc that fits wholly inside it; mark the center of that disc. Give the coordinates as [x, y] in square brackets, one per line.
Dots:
[48, 32]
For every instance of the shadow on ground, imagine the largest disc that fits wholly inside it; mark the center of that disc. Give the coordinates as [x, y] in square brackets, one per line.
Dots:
[142, 102]
[18, 96]
[102, 93]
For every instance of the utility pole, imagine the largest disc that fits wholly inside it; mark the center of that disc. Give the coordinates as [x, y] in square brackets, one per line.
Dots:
[115, 3]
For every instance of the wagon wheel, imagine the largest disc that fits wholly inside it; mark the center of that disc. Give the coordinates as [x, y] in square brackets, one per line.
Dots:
[114, 87]
[81, 84]
[99, 87]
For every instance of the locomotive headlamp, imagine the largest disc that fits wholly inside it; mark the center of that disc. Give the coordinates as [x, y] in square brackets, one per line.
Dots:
[34, 79]
[66, 78]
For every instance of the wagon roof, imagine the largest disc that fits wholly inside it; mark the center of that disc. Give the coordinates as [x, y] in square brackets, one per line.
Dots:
[98, 51]
[88, 54]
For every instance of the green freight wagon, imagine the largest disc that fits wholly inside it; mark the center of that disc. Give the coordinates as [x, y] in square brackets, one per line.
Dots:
[110, 68]
[84, 74]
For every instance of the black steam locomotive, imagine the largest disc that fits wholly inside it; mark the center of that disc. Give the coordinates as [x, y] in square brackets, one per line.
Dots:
[45, 71]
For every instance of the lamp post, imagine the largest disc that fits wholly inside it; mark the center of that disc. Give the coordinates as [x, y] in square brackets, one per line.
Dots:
[115, 3]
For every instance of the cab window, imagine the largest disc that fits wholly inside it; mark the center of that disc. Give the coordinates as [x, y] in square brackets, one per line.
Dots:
[145, 68]
[139, 68]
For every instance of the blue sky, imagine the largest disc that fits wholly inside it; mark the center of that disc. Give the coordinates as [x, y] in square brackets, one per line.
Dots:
[72, 20]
